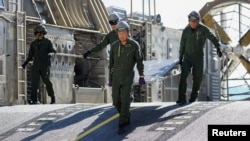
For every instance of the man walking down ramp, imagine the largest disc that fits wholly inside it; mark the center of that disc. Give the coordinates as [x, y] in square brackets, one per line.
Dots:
[124, 54]
[191, 55]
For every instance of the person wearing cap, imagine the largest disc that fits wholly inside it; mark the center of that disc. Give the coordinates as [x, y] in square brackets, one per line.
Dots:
[108, 39]
[191, 55]
[124, 55]
[39, 53]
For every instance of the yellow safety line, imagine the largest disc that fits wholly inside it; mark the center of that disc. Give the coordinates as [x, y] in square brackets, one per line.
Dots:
[98, 126]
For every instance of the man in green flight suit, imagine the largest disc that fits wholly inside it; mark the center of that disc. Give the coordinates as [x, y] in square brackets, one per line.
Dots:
[191, 55]
[110, 38]
[39, 53]
[124, 54]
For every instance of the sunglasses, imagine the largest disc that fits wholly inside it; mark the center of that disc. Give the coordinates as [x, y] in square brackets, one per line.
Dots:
[113, 22]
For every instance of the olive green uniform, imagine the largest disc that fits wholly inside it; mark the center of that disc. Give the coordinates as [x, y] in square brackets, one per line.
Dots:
[110, 38]
[191, 52]
[122, 61]
[39, 53]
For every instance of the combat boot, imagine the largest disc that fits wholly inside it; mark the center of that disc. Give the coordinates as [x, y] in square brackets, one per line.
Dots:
[193, 97]
[191, 100]
[53, 100]
[122, 127]
[181, 102]
[128, 119]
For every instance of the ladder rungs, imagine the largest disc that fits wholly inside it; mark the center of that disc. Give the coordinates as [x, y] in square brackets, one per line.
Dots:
[39, 0]
[21, 40]
[21, 54]
[20, 25]
[12, 2]
[21, 94]
[21, 81]
[20, 12]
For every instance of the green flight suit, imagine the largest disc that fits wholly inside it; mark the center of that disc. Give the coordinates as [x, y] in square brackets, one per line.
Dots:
[191, 52]
[122, 61]
[110, 38]
[39, 53]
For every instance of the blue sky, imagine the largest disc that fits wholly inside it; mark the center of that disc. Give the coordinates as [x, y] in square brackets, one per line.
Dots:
[173, 12]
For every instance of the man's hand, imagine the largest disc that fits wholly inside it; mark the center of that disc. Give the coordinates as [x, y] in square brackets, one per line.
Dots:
[110, 78]
[54, 54]
[142, 80]
[85, 55]
[180, 61]
[219, 53]
[23, 65]
[110, 84]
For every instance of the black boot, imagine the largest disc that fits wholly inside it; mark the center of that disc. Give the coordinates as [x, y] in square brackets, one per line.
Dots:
[128, 119]
[53, 100]
[121, 130]
[123, 126]
[181, 102]
[191, 100]
[193, 97]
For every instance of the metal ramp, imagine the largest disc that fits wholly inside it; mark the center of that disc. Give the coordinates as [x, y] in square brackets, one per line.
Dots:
[58, 14]
[64, 13]
[74, 13]
[74, 8]
[44, 11]
[99, 14]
